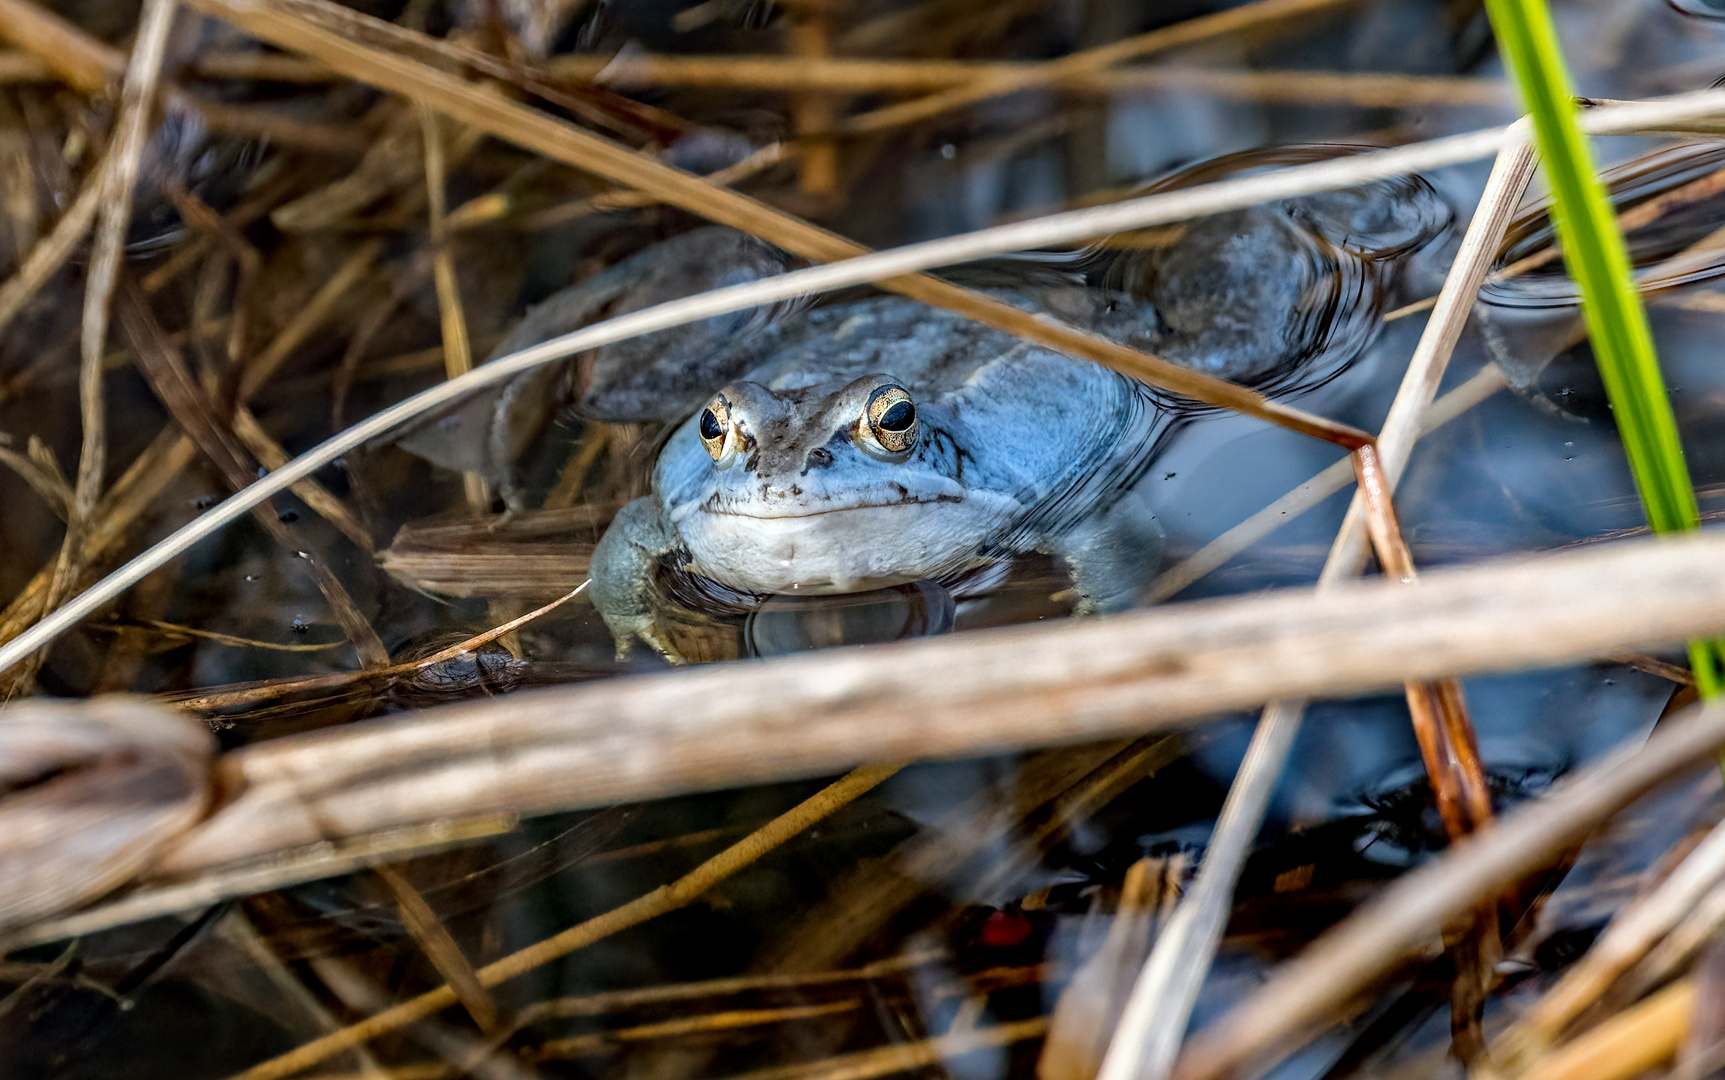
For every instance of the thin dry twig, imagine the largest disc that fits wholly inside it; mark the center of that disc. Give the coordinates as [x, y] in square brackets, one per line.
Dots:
[51, 252]
[904, 1057]
[434, 940]
[1405, 920]
[867, 75]
[1636, 930]
[665, 899]
[1187, 32]
[114, 216]
[311, 863]
[257, 693]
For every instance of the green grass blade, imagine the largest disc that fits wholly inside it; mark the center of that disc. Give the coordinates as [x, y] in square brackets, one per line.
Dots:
[1597, 258]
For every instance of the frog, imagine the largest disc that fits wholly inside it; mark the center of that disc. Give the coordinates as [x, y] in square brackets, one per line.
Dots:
[846, 444]
[882, 442]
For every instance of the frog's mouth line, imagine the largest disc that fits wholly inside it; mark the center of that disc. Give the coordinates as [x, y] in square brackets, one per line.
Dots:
[804, 512]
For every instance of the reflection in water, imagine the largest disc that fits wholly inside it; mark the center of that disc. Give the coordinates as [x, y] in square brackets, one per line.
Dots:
[1281, 297]
[788, 624]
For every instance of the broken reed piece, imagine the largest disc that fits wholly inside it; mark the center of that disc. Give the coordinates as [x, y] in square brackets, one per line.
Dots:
[93, 790]
[533, 556]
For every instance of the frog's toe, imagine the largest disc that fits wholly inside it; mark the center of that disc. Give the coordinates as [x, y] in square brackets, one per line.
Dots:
[628, 629]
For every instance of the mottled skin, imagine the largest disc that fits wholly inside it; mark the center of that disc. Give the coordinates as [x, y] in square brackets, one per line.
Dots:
[1015, 449]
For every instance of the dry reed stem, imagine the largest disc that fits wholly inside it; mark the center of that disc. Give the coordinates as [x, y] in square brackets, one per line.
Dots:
[813, 111]
[660, 901]
[597, 106]
[95, 68]
[1056, 229]
[1637, 1039]
[1402, 426]
[1634, 931]
[192, 407]
[114, 216]
[1407, 918]
[434, 940]
[867, 75]
[210, 700]
[119, 176]
[606, 1001]
[452, 318]
[904, 1057]
[697, 1024]
[23, 67]
[85, 63]
[614, 741]
[50, 253]
[291, 868]
[491, 113]
[1156, 1015]
[626, 199]
[93, 790]
[854, 75]
[1191, 31]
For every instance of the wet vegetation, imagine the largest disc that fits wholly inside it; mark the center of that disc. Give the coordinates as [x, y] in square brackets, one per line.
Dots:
[385, 799]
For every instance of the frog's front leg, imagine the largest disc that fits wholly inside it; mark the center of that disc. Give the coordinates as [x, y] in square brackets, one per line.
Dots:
[622, 575]
[1112, 556]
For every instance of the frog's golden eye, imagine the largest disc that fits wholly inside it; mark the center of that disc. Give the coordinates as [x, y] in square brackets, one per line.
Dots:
[714, 427]
[891, 419]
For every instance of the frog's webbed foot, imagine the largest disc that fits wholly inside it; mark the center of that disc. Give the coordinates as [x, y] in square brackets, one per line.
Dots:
[622, 573]
[627, 629]
[1112, 556]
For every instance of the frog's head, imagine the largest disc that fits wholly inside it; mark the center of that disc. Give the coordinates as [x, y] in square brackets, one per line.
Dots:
[819, 489]
[801, 452]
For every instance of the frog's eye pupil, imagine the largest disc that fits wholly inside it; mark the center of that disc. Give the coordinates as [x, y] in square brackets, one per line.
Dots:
[710, 429]
[899, 417]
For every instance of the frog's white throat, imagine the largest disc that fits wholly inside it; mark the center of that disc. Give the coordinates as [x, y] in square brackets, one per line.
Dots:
[843, 550]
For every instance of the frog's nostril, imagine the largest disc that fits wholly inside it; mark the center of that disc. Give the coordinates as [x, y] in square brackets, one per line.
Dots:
[819, 458]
